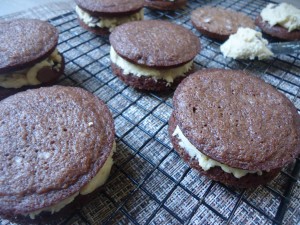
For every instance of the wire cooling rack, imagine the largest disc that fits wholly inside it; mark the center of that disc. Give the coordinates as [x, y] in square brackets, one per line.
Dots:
[149, 183]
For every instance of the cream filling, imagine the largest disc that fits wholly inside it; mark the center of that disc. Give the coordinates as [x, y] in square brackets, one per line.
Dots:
[246, 44]
[137, 70]
[204, 161]
[107, 22]
[96, 182]
[28, 76]
[286, 15]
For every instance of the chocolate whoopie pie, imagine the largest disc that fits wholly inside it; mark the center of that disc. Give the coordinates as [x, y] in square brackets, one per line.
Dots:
[165, 4]
[56, 145]
[219, 23]
[152, 55]
[233, 127]
[102, 16]
[280, 21]
[28, 56]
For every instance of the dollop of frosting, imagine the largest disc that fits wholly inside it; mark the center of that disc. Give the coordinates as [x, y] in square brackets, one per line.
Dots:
[246, 44]
[285, 15]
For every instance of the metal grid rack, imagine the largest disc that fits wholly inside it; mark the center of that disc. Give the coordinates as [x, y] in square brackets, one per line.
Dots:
[149, 183]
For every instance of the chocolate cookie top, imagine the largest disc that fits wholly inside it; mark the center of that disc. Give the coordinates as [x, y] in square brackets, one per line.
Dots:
[155, 43]
[110, 7]
[277, 31]
[24, 42]
[53, 141]
[237, 119]
[219, 23]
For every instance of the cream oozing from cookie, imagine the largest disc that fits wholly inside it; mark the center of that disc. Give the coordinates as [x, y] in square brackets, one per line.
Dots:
[28, 76]
[285, 15]
[246, 44]
[138, 70]
[107, 22]
[204, 161]
[97, 181]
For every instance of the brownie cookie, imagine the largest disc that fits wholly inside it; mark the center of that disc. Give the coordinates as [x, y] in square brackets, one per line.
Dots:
[280, 21]
[102, 16]
[152, 54]
[165, 4]
[219, 23]
[56, 143]
[28, 56]
[233, 127]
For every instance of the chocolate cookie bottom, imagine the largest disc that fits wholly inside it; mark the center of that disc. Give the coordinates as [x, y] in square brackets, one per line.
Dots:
[95, 30]
[219, 23]
[147, 83]
[57, 217]
[210, 34]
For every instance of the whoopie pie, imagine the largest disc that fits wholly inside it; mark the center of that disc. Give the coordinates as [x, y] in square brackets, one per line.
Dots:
[28, 57]
[56, 148]
[152, 55]
[233, 127]
[102, 16]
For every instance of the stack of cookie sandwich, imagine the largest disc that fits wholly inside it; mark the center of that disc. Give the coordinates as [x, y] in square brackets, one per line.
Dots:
[152, 55]
[56, 145]
[233, 127]
[28, 56]
[102, 16]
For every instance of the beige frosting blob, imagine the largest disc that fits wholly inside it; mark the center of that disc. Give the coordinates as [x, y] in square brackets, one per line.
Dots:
[28, 76]
[246, 44]
[204, 161]
[107, 22]
[137, 70]
[96, 182]
[285, 15]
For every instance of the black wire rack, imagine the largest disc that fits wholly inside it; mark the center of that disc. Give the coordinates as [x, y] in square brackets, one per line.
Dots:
[149, 183]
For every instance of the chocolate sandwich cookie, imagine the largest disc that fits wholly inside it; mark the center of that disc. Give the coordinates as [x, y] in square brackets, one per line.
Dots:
[280, 21]
[233, 127]
[152, 55]
[165, 4]
[28, 56]
[56, 146]
[219, 23]
[102, 16]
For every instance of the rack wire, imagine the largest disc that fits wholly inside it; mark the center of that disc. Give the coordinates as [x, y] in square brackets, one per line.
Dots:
[149, 183]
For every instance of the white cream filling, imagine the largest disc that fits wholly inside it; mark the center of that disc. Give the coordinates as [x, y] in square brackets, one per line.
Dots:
[28, 76]
[96, 182]
[107, 22]
[204, 161]
[246, 44]
[137, 70]
[101, 176]
[286, 15]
